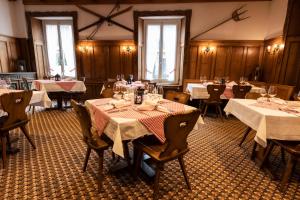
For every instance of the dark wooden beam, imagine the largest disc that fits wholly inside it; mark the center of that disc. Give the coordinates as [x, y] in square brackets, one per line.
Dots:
[82, 2]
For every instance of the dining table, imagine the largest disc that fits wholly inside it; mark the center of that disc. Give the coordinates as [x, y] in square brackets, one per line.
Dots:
[129, 123]
[270, 118]
[60, 90]
[199, 90]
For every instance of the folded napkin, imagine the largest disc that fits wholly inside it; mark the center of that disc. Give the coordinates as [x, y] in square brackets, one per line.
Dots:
[137, 82]
[147, 105]
[278, 101]
[119, 103]
[163, 109]
[68, 79]
[293, 103]
[231, 84]
[107, 107]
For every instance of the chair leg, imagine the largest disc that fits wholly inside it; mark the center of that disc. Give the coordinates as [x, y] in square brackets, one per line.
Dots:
[100, 175]
[287, 172]
[8, 142]
[156, 181]
[29, 108]
[86, 160]
[126, 153]
[24, 130]
[205, 110]
[220, 111]
[266, 155]
[245, 135]
[3, 141]
[253, 154]
[137, 162]
[33, 109]
[181, 162]
[282, 155]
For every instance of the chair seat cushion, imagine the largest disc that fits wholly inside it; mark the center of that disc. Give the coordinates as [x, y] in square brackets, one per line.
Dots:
[292, 147]
[153, 147]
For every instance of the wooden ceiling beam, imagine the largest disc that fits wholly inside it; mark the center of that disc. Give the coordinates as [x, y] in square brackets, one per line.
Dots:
[82, 2]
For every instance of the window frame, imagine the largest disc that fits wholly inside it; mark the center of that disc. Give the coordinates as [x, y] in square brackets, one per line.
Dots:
[186, 14]
[58, 23]
[162, 22]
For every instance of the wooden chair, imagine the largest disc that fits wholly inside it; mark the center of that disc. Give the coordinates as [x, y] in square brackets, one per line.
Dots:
[284, 92]
[94, 142]
[240, 91]
[214, 91]
[174, 147]
[27, 88]
[290, 147]
[107, 93]
[14, 104]
[257, 83]
[179, 97]
[252, 95]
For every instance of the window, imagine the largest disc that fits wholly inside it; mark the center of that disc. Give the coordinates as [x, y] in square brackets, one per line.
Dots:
[162, 47]
[60, 48]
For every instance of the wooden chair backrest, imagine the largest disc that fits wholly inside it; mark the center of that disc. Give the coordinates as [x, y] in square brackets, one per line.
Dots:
[109, 84]
[258, 83]
[179, 97]
[215, 91]
[84, 119]
[252, 95]
[26, 84]
[107, 93]
[240, 91]
[177, 129]
[15, 103]
[284, 92]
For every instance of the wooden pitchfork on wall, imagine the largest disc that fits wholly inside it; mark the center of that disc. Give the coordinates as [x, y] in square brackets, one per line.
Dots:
[102, 19]
[236, 16]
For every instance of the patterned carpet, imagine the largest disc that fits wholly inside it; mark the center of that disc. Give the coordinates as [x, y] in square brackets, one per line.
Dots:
[218, 168]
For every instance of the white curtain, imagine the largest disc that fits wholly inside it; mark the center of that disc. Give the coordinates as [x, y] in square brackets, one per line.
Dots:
[169, 52]
[152, 51]
[53, 49]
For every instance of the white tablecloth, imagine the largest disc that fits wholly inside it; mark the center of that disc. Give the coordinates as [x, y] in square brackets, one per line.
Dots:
[119, 129]
[53, 86]
[39, 98]
[199, 91]
[268, 123]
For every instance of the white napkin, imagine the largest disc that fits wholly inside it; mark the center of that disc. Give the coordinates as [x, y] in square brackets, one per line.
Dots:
[278, 101]
[162, 109]
[147, 105]
[231, 84]
[119, 103]
[137, 82]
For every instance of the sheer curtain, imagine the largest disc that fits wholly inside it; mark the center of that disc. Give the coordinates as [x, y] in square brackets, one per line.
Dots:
[60, 47]
[152, 52]
[53, 49]
[67, 44]
[169, 52]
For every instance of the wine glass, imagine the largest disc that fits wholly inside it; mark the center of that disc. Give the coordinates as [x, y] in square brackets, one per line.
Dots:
[131, 77]
[160, 89]
[242, 80]
[122, 77]
[8, 83]
[116, 88]
[272, 92]
[118, 77]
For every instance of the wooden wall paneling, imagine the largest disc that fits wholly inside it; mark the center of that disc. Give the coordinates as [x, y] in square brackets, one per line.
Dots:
[9, 52]
[252, 60]
[222, 55]
[192, 63]
[100, 65]
[114, 61]
[127, 63]
[236, 63]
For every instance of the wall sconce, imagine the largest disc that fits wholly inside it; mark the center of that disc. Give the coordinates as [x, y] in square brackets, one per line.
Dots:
[85, 46]
[208, 49]
[127, 49]
[275, 48]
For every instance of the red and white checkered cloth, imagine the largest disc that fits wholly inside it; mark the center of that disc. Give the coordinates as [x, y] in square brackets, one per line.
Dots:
[152, 120]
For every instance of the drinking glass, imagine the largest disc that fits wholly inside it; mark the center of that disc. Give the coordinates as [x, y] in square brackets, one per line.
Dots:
[272, 92]
[116, 88]
[160, 89]
[204, 79]
[242, 80]
[263, 91]
[8, 83]
[131, 77]
[118, 77]
[150, 88]
[122, 77]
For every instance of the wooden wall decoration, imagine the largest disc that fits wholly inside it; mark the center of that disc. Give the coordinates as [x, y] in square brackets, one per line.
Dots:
[229, 58]
[9, 52]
